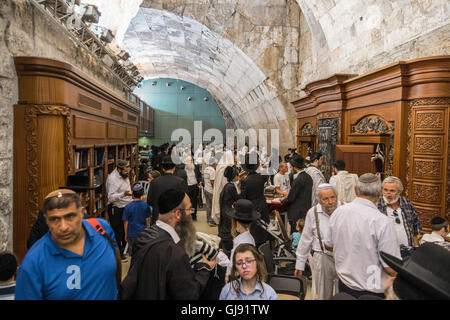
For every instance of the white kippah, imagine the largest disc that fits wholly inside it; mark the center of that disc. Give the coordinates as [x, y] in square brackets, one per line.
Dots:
[324, 186]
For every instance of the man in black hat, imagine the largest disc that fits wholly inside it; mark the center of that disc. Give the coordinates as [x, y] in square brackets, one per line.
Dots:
[77, 183]
[298, 200]
[163, 183]
[160, 268]
[439, 230]
[424, 276]
[252, 188]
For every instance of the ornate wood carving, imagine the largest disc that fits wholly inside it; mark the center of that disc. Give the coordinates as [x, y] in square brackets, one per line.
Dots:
[426, 193]
[429, 144]
[308, 130]
[426, 214]
[328, 138]
[427, 168]
[430, 120]
[31, 122]
[448, 177]
[371, 124]
[429, 102]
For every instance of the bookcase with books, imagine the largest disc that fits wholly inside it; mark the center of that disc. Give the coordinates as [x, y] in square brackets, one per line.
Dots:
[66, 123]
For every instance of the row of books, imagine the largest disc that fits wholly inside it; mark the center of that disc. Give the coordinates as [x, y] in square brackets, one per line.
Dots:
[81, 159]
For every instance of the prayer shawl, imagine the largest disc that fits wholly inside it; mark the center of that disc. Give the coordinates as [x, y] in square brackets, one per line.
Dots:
[206, 244]
[219, 183]
[345, 186]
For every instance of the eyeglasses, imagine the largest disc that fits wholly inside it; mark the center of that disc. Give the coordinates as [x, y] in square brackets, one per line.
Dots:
[191, 210]
[397, 219]
[240, 264]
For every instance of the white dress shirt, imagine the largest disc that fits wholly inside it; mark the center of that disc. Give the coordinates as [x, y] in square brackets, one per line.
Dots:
[116, 187]
[282, 181]
[402, 237]
[309, 238]
[169, 230]
[208, 175]
[431, 237]
[358, 232]
[191, 178]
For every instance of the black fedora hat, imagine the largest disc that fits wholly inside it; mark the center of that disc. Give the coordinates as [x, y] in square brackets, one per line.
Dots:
[243, 210]
[251, 162]
[78, 182]
[425, 274]
[297, 161]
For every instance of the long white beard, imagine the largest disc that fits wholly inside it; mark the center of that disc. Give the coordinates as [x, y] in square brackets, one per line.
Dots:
[391, 202]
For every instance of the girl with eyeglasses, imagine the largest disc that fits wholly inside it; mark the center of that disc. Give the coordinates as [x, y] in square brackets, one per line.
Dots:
[248, 275]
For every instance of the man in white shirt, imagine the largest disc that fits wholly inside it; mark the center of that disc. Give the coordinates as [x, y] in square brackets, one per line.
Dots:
[209, 176]
[119, 195]
[358, 232]
[323, 270]
[281, 180]
[344, 182]
[194, 182]
[439, 230]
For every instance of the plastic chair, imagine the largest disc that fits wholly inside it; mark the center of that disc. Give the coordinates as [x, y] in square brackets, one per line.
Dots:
[146, 185]
[290, 285]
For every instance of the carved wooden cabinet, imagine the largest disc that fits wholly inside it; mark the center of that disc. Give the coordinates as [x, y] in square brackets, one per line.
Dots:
[403, 108]
[65, 123]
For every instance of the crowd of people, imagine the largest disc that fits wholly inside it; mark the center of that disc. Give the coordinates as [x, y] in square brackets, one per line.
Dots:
[360, 236]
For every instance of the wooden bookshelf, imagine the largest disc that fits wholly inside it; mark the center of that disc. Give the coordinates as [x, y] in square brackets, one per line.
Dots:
[65, 123]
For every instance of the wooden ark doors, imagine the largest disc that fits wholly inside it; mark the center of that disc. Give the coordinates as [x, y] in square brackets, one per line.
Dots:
[41, 139]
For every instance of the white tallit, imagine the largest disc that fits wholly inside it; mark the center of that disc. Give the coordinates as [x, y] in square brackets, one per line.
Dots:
[345, 185]
[219, 183]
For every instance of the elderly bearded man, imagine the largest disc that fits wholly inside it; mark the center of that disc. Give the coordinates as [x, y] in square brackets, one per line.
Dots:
[401, 211]
[316, 229]
[160, 268]
[357, 233]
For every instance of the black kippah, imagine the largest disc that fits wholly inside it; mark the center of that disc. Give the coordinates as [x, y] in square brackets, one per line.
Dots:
[169, 200]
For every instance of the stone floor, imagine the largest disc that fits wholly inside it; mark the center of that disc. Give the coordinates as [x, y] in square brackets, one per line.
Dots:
[202, 226]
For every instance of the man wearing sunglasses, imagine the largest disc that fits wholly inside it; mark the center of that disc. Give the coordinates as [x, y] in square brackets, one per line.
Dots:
[401, 211]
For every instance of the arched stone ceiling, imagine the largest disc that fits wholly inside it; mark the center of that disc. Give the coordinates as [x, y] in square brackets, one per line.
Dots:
[356, 36]
[247, 52]
[248, 62]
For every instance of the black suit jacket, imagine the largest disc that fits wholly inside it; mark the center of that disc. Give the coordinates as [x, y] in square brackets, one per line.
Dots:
[298, 200]
[160, 185]
[252, 188]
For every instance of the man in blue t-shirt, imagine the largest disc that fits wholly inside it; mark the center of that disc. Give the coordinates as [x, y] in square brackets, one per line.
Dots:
[72, 261]
[136, 216]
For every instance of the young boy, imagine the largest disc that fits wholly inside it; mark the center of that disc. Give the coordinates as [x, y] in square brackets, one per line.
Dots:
[8, 269]
[136, 216]
[295, 237]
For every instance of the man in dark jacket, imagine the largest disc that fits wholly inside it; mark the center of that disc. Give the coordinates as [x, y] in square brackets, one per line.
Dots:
[161, 184]
[252, 188]
[160, 268]
[298, 200]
